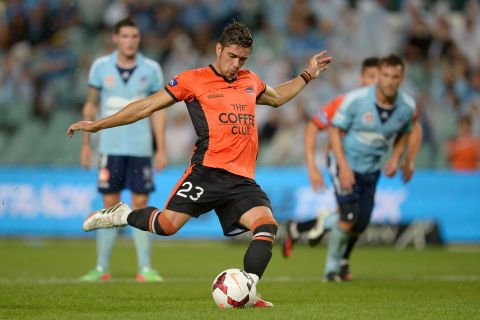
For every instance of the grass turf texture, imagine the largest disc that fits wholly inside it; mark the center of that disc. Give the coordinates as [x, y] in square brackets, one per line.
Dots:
[38, 280]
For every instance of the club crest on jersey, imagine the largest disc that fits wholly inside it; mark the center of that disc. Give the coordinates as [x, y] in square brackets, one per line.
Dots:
[173, 82]
[109, 81]
[250, 90]
[367, 118]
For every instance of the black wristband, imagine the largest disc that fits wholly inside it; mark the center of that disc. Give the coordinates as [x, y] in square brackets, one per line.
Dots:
[306, 76]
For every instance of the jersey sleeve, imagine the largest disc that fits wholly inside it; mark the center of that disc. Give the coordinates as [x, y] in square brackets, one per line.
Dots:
[94, 76]
[323, 118]
[415, 116]
[260, 85]
[180, 87]
[157, 79]
[344, 116]
[407, 127]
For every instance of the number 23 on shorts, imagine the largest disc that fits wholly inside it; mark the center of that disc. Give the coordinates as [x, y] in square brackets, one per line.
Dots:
[186, 191]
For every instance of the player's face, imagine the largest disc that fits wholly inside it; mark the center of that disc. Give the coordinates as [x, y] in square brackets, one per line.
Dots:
[369, 76]
[389, 80]
[230, 59]
[127, 41]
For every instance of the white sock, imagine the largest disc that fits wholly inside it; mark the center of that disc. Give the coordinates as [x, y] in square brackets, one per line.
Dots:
[254, 277]
[294, 231]
[124, 217]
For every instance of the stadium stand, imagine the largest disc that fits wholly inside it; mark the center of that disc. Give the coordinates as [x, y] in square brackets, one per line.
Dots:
[46, 47]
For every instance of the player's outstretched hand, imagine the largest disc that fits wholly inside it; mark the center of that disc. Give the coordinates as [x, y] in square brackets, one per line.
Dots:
[161, 160]
[316, 180]
[408, 168]
[390, 168]
[346, 177]
[318, 63]
[81, 126]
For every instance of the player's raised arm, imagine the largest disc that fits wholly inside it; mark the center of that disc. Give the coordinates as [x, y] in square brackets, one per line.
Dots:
[413, 146]
[133, 112]
[345, 173]
[391, 166]
[284, 92]
[310, 141]
[159, 125]
[89, 112]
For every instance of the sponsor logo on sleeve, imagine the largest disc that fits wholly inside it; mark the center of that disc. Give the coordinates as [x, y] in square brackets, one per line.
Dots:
[173, 82]
[250, 91]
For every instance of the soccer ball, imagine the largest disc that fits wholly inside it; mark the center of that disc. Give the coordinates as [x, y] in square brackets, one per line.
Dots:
[234, 288]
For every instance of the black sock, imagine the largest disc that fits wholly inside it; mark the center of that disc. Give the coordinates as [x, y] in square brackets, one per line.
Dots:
[140, 218]
[306, 226]
[352, 240]
[259, 251]
[257, 257]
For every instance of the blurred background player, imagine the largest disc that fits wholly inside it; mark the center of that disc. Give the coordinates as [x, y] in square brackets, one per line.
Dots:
[368, 121]
[463, 150]
[221, 99]
[321, 121]
[316, 227]
[125, 152]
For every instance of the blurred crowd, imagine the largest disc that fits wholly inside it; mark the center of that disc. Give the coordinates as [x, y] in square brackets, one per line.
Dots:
[47, 47]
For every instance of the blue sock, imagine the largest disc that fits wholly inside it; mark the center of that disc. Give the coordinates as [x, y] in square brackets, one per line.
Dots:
[331, 221]
[143, 246]
[105, 241]
[337, 242]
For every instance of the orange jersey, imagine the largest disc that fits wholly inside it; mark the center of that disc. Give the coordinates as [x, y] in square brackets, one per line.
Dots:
[223, 115]
[324, 117]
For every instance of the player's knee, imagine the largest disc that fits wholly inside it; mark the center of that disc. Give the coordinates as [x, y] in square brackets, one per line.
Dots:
[264, 228]
[349, 212]
[346, 226]
[163, 226]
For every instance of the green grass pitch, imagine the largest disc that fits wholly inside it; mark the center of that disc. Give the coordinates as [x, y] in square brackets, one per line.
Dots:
[38, 281]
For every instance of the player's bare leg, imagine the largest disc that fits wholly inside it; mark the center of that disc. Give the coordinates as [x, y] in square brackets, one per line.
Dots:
[105, 241]
[261, 222]
[143, 245]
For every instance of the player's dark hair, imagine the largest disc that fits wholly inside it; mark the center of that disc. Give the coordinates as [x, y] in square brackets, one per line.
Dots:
[370, 62]
[125, 22]
[392, 61]
[236, 33]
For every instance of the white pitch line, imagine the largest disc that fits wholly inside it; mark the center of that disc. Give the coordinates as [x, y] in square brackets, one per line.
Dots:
[319, 279]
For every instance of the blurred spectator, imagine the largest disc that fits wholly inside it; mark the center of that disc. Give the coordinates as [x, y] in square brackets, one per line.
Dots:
[16, 87]
[40, 19]
[46, 44]
[54, 66]
[463, 151]
[194, 15]
[467, 39]
[304, 38]
[15, 23]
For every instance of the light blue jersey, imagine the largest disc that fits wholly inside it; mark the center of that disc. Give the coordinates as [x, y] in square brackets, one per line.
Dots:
[147, 78]
[367, 140]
